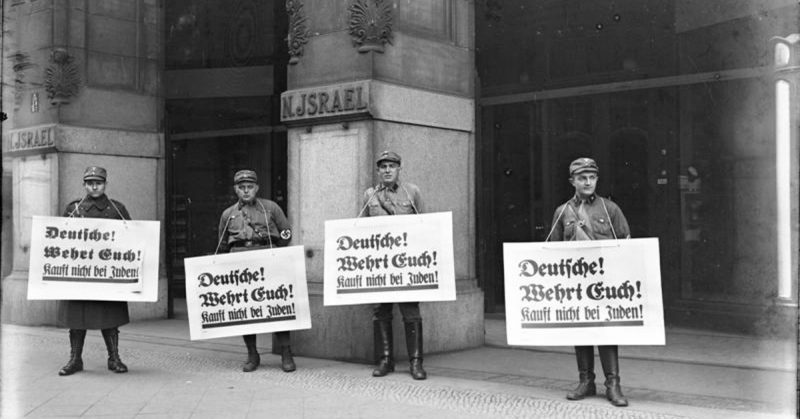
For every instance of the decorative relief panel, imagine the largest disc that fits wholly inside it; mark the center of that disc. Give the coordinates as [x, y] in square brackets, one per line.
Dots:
[242, 33]
[371, 24]
[218, 34]
[61, 78]
[298, 30]
[21, 62]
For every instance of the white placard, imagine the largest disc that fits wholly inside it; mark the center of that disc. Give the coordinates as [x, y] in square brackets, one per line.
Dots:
[242, 293]
[93, 259]
[398, 258]
[601, 292]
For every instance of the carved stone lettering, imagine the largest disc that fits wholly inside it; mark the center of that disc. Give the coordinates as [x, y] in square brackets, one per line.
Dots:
[325, 102]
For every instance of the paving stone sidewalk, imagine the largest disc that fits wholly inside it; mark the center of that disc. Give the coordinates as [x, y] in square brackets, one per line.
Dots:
[173, 378]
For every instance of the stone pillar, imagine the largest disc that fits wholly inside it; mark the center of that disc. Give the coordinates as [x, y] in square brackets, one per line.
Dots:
[787, 84]
[404, 84]
[86, 91]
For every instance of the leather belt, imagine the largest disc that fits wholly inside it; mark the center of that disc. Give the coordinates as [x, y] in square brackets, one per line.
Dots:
[247, 243]
[253, 243]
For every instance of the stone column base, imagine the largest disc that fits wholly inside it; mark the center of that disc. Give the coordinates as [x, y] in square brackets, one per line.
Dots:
[29, 313]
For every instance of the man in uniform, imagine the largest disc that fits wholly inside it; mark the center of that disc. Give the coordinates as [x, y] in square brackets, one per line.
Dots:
[104, 315]
[589, 217]
[392, 197]
[250, 224]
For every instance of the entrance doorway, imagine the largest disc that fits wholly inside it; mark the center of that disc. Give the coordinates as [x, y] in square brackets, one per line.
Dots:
[524, 154]
[225, 66]
[201, 181]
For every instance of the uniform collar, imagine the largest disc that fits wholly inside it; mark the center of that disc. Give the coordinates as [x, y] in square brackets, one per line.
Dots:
[577, 199]
[100, 202]
[392, 188]
[242, 204]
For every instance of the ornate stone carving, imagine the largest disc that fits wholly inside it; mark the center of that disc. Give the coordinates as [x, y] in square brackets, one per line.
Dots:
[21, 62]
[241, 39]
[61, 77]
[371, 24]
[298, 30]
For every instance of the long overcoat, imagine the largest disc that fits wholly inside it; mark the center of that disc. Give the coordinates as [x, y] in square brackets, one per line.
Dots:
[79, 314]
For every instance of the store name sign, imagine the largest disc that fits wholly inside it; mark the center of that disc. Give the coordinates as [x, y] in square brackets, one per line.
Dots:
[35, 140]
[335, 101]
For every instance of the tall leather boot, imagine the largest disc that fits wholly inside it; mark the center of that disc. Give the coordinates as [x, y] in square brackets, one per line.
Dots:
[75, 363]
[287, 359]
[111, 337]
[414, 346]
[610, 360]
[384, 347]
[586, 387]
[253, 358]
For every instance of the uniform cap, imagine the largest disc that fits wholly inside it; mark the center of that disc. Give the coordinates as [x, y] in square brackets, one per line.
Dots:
[388, 156]
[94, 173]
[245, 176]
[583, 164]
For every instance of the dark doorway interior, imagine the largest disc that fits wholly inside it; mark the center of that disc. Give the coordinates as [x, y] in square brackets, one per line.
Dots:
[524, 153]
[202, 173]
[225, 67]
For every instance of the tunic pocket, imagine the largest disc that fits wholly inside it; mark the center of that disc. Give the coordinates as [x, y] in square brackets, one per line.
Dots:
[569, 230]
[236, 224]
[602, 225]
[375, 209]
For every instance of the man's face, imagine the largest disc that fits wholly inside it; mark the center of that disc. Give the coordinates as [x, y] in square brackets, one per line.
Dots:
[246, 191]
[94, 188]
[388, 171]
[585, 183]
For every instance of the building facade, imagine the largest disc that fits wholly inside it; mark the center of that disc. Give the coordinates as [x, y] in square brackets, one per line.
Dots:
[677, 102]
[487, 101]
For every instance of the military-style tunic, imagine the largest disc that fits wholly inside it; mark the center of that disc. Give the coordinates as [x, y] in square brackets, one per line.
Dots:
[587, 219]
[398, 199]
[252, 226]
[78, 314]
[255, 224]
